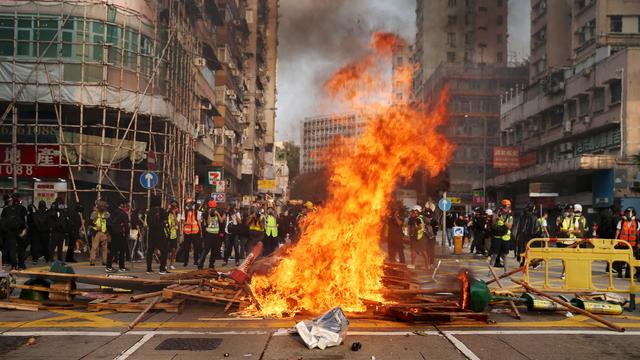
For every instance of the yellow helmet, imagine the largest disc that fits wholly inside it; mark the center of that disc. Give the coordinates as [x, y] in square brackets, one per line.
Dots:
[308, 205]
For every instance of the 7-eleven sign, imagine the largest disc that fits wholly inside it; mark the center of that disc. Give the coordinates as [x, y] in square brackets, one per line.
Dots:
[215, 176]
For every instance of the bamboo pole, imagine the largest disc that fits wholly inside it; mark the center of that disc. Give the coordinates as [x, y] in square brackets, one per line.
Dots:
[569, 306]
[511, 303]
[135, 298]
[146, 310]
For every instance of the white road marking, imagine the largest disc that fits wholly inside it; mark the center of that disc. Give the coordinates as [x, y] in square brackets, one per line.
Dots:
[124, 355]
[541, 332]
[461, 347]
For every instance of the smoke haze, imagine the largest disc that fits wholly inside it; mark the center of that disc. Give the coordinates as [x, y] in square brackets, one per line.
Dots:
[317, 37]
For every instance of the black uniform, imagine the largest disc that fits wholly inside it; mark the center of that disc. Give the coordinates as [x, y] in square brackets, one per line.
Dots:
[40, 233]
[14, 220]
[158, 221]
[59, 224]
[118, 228]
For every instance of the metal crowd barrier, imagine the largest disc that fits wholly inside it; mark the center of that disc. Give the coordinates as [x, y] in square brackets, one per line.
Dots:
[578, 257]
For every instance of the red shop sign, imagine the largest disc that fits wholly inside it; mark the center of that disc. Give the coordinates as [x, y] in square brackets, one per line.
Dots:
[32, 161]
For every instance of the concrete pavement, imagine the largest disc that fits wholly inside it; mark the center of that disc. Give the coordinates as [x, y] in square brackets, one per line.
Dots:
[78, 334]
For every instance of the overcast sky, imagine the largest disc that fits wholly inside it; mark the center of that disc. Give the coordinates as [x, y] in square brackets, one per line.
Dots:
[316, 37]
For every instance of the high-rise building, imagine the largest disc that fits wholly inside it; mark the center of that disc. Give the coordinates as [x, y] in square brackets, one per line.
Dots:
[473, 123]
[458, 31]
[576, 126]
[550, 34]
[319, 134]
[260, 97]
[402, 65]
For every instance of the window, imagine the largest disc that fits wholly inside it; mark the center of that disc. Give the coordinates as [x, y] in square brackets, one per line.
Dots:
[615, 91]
[451, 39]
[468, 38]
[616, 23]
[499, 57]
[499, 3]
[452, 3]
[452, 19]
[598, 99]
[499, 39]
[451, 57]
[6, 36]
[499, 20]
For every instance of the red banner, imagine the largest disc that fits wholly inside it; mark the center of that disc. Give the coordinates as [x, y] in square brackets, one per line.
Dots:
[32, 161]
[506, 157]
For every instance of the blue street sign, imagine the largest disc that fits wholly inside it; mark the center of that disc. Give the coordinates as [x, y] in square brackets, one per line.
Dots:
[444, 204]
[149, 179]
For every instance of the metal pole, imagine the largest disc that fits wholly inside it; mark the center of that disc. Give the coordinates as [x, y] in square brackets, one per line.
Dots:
[444, 222]
[623, 150]
[14, 149]
[484, 164]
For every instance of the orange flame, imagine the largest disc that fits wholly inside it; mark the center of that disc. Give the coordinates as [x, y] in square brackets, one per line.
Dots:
[463, 276]
[337, 261]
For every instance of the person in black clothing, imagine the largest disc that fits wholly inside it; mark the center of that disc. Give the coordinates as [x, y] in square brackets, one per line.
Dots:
[395, 237]
[14, 220]
[118, 227]
[478, 222]
[431, 231]
[40, 233]
[158, 222]
[75, 223]
[526, 231]
[59, 223]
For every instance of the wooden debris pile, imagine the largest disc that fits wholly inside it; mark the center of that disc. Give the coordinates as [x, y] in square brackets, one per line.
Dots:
[408, 301]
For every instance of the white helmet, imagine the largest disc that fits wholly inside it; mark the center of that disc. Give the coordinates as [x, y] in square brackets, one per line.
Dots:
[489, 212]
[417, 208]
[577, 208]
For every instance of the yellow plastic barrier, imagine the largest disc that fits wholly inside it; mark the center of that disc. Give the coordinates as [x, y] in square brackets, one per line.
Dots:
[578, 260]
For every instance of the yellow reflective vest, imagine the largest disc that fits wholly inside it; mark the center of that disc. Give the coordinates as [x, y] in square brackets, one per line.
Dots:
[271, 226]
[100, 223]
[173, 227]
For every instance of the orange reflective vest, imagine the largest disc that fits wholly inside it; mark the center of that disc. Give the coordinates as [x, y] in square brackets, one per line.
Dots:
[191, 223]
[629, 231]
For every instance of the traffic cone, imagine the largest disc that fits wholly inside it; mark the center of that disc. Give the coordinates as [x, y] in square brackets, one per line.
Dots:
[240, 274]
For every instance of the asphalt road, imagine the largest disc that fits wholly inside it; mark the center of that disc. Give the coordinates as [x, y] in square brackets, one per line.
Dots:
[78, 334]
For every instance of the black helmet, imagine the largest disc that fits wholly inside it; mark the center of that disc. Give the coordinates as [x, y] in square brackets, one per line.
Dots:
[631, 209]
[428, 212]
[531, 207]
[477, 209]
[568, 207]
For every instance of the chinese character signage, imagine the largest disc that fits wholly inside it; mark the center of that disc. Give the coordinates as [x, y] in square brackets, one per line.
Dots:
[32, 161]
[48, 191]
[506, 157]
[597, 142]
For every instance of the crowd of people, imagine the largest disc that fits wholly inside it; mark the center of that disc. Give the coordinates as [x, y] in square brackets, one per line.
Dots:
[494, 233]
[197, 233]
[204, 232]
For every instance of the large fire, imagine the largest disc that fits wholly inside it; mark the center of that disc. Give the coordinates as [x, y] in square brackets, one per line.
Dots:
[338, 261]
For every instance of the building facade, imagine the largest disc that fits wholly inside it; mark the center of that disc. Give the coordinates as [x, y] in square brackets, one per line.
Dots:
[473, 123]
[95, 93]
[458, 31]
[576, 126]
[320, 133]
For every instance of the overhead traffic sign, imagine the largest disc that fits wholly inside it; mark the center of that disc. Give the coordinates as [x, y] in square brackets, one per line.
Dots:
[444, 204]
[149, 179]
